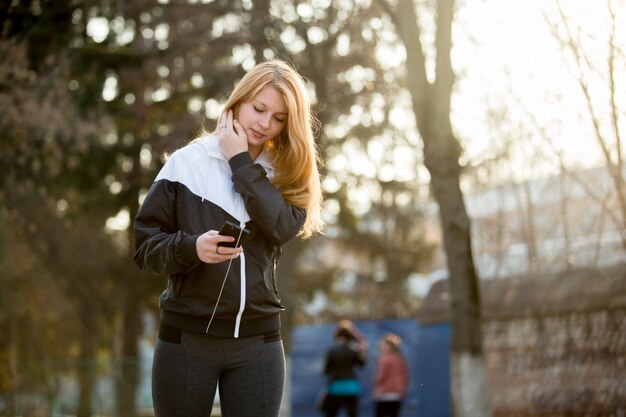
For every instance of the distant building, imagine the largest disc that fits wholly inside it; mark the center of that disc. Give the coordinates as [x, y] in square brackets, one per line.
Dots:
[546, 224]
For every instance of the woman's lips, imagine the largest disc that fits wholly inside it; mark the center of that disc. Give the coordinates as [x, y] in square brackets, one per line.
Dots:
[258, 135]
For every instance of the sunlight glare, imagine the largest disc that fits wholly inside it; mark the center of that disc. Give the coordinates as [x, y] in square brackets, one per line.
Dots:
[110, 90]
[119, 222]
[98, 29]
[331, 185]
[212, 108]
[145, 156]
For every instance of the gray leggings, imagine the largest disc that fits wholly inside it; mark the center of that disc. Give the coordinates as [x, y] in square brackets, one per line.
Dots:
[250, 372]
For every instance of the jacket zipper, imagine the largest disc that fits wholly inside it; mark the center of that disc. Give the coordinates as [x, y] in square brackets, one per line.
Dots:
[275, 255]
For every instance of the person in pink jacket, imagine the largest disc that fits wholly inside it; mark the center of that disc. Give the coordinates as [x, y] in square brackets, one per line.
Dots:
[391, 380]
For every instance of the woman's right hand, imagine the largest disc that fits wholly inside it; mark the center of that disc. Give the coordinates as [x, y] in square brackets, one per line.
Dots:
[232, 137]
[209, 252]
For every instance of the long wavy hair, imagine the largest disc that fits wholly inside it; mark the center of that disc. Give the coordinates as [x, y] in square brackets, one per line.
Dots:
[294, 153]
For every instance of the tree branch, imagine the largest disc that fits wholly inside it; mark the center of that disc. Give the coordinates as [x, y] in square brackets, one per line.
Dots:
[444, 75]
[406, 22]
[612, 91]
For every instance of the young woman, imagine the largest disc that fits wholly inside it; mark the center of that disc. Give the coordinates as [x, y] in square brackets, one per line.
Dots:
[220, 312]
[392, 377]
[343, 387]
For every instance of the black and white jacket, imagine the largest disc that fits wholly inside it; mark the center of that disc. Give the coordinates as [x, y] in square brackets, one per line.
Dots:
[197, 190]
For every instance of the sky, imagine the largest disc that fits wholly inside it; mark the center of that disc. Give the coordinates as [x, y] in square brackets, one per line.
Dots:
[505, 55]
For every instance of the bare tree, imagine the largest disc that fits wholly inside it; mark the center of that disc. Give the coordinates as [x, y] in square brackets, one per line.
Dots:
[431, 105]
[605, 115]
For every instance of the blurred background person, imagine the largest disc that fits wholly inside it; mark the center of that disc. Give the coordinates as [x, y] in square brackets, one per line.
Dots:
[391, 380]
[342, 359]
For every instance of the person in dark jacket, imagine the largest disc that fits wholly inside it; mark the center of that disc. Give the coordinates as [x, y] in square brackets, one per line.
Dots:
[220, 311]
[343, 387]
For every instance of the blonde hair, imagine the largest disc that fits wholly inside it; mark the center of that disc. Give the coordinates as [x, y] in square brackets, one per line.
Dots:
[295, 155]
[393, 341]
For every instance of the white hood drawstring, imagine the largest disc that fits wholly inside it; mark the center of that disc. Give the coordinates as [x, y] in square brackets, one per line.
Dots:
[206, 181]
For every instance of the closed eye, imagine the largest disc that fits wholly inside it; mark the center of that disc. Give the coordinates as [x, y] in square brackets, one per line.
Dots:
[258, 110]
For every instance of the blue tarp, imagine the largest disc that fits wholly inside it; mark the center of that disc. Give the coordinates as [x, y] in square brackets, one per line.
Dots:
[426, 349]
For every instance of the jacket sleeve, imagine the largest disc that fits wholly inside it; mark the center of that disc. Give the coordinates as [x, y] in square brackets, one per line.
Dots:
[161, 248]
[381, 370]
[265, 204]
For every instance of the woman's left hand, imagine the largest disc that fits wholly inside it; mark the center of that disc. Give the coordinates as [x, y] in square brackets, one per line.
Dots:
[209, 251]
[232, 137]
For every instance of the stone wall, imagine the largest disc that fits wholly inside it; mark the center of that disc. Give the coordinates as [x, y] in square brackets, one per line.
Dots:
[555, 345]
[568, 365]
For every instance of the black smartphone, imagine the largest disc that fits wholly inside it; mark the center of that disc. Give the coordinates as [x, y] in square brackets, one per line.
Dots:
[232, 229]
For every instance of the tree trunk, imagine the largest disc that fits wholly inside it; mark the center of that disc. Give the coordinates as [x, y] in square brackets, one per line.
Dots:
[469, 386]
[128, 379]
[527, 225]
[564, 207]
[431, 105]
[127, 383]
[87, 361]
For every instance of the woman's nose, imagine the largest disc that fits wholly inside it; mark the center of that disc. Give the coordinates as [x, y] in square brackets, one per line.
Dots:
[265, 122]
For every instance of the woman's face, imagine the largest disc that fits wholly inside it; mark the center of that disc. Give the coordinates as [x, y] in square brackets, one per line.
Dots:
[263, 117]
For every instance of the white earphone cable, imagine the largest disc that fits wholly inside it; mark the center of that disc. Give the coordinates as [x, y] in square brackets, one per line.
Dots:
[219, 296]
